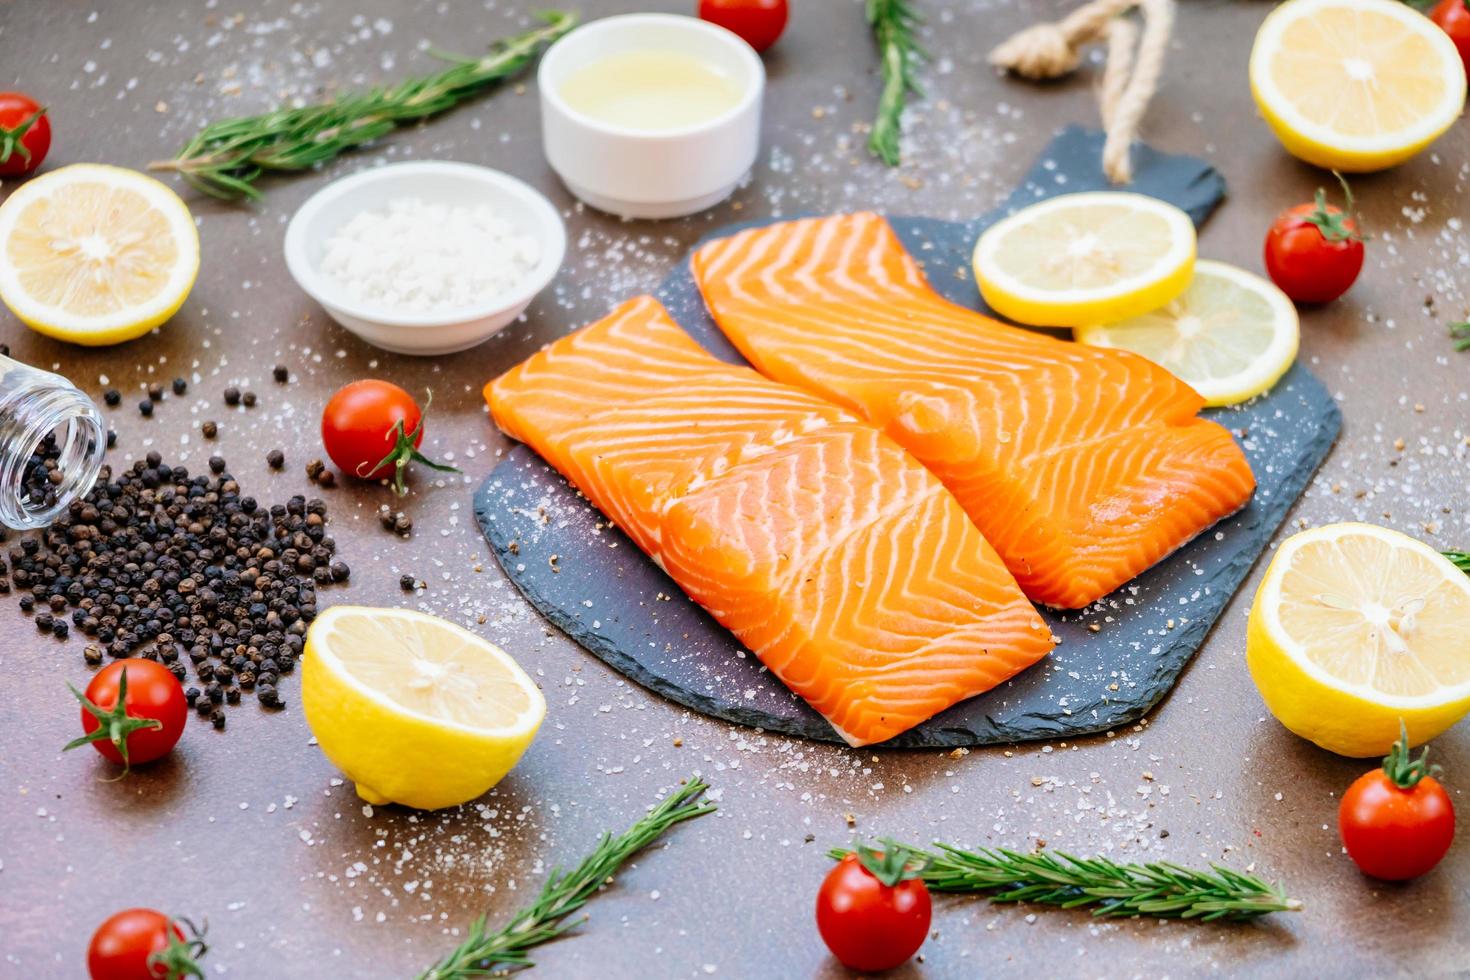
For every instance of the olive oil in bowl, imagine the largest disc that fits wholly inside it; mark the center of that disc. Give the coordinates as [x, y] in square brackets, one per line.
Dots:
[650, 90]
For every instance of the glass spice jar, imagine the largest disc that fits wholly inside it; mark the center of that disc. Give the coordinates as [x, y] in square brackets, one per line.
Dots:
[43, 413]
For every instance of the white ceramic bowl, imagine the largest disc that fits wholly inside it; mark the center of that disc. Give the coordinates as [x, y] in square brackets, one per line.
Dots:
[434, 182]
[637, 173]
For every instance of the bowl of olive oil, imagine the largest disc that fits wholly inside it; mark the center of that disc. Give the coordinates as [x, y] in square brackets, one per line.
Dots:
[651, 115]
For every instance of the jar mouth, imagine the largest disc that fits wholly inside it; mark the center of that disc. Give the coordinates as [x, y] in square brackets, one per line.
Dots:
[66, 424]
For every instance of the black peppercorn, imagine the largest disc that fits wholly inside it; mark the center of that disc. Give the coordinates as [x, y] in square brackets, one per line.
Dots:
[180, 386]
[249, 399]
[275, 459]
[407, 583]
[216, 464]
[232, 396]
[112, 397]
[217, 719]
[280, 373]
[155, 393]
[145, 408]
[209, 429]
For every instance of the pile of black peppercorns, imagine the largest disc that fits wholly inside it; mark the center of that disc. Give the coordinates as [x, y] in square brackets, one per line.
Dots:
[182, 569]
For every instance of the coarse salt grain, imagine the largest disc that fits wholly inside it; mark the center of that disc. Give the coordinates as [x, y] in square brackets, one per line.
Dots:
[419, 257]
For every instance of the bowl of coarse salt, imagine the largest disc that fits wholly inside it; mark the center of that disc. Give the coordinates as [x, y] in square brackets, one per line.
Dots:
[425, 258]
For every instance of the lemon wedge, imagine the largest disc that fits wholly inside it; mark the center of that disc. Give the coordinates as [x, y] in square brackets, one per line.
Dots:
[96, 255]
[1355, 627]
[1230, 335]
[1355, 85]
[1085, 258]
[414, 709]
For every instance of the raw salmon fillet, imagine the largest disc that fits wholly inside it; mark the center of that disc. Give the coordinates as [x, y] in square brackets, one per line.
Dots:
[823, 546]
[1082, 466]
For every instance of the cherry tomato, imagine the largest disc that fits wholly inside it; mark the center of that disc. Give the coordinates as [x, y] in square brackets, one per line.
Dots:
[1315, 251]
[133, 712]
[25, 134]
[758, 22]
[141, 944]
[1453, 17]
[373, 429]
[873, 910]
[1397, 821]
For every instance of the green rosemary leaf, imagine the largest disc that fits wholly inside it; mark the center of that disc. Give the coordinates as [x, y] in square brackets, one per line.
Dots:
[1461, 559]
[893, 23]
[1159, 889]
[484, 953]
[227, 157]
[1460, 334]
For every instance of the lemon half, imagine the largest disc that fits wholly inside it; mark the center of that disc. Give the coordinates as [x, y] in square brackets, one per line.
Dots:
[1355, 627]
[1085, 258]
[414, 709]
[96, 255]
[1355, 85]
[1230, 335]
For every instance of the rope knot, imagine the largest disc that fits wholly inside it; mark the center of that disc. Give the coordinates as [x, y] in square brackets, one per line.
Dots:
[1040, 51]
[1129, 78]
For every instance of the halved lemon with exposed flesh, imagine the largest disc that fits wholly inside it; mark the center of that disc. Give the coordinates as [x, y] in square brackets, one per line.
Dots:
[1356, 627]
[1085, 258]
[1355, 85]
[96, 255]
[414, 709]
[1230, 335]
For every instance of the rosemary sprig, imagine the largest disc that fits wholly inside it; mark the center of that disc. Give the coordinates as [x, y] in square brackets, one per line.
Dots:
[893, 23]
[485, 953]
[1461, 559]
[225, 158]
[1460, 334]
[1159, 889]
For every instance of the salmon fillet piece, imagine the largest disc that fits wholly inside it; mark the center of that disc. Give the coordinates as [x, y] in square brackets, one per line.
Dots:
[1082, 466]
[825, 548]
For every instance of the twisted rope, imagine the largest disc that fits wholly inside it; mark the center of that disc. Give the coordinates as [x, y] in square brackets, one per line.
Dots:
[1133, 67]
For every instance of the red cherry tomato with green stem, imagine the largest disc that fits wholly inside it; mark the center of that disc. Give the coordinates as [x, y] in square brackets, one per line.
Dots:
[133, 712]
[142, 944]
[873, 909]
[25, 134]
[1397, 821]
[758, 22]
[373, 430]
[1453, 17]
[1314, 252]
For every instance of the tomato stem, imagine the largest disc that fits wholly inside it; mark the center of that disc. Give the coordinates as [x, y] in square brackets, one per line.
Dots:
[181, 957]
[892, 864]
[405, 450]
[10, 139]
[115, 724]
[1401, 769]
[1337, 226]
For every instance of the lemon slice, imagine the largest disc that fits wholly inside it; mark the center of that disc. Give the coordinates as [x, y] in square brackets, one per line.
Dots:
[95, 254]
[1355, 85]
[1230, 335]
[1355, 627]
[414, 709]
[1085, 258]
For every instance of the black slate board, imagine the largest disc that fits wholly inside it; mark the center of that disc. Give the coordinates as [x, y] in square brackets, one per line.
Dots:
[616, 603]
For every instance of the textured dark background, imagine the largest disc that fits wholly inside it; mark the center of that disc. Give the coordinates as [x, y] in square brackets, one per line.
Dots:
[318, 888]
